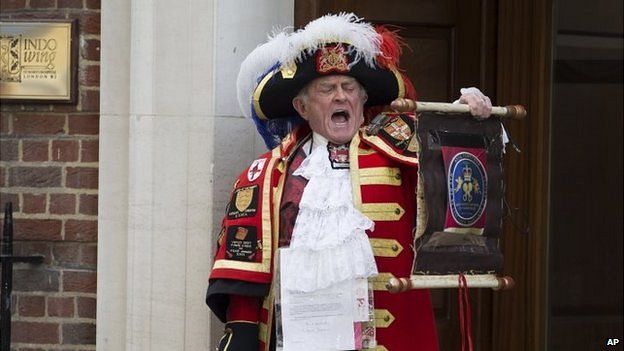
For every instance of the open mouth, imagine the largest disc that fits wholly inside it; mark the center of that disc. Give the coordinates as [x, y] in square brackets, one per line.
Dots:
[340, 116]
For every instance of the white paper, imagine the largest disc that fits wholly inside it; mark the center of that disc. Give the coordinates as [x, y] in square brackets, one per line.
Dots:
[318, 320]
[360, 297]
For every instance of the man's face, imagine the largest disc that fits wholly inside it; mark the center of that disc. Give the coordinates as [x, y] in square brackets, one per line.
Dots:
[333, 106]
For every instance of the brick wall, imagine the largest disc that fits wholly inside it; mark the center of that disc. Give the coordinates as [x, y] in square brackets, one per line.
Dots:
[49, 170]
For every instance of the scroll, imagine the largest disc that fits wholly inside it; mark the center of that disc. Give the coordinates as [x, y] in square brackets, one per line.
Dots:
[460, 198]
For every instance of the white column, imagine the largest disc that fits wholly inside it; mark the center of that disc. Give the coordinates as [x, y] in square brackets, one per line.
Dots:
[242, 25]
[171, 135]
[156, 160]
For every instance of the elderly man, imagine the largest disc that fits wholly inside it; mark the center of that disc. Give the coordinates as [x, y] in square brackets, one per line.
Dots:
[343, 200]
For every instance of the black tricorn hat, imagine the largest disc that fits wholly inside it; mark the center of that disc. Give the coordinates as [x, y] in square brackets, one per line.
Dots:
[275, 72]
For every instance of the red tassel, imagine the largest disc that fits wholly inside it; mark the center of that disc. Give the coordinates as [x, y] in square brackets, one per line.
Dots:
[465, 324]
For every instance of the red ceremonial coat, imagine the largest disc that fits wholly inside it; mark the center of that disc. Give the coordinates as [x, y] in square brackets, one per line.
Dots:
[384, 176]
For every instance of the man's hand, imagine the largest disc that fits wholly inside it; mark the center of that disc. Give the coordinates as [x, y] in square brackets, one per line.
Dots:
[239, 336]
[480, 105]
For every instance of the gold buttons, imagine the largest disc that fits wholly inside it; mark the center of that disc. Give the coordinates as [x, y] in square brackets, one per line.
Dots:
[383, 318]
[380, 281]
[383, 211]
[385, 247]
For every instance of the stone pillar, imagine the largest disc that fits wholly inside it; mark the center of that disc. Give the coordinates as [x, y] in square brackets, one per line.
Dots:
[240, 28]
[156, 155]
[171, 135]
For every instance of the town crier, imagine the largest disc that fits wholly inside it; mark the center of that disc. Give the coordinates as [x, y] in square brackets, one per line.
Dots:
[339, 199]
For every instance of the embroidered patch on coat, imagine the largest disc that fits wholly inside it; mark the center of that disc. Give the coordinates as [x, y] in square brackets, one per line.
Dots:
[241, 243]
[244, 202]
[220, 238]
[338, 155]
[398, 131]
[255, 169]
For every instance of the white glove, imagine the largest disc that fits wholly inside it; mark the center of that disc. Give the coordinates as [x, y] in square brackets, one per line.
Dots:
[480, 105]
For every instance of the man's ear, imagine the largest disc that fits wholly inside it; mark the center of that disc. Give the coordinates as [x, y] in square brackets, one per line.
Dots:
[300, 107]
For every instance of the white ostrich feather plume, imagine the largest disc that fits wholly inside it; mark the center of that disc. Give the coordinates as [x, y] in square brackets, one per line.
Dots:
[288, 48]
[255, 65]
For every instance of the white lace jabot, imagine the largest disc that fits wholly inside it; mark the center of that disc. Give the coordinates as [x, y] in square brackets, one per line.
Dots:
[329, 243]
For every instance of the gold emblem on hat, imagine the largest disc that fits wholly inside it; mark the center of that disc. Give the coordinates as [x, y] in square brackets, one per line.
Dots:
[332, 58]
[398, 129]
[288, 70]
[243, 198]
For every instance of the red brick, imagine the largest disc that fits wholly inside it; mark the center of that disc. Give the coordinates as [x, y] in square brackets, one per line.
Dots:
[29, 124]
[88, 204]
[60, 306]
[81, 230]
[65, 108]
[79, 333]
[79, 281]
[35, 332]
[28, 248]
[12, 5]
[70, 255]
[42, 3]
[35, 177]
[81, 177]
[89, 151]
[90, 49]
[88, 255]
[86, 307]
[84, 124]
[70, 4]
[94, 4]
[37, 229]
[90, 22]
[9, 149]
[31, 306]
[90, 101]
[14, 305]
[5, 120]
[34, 203]
[6, 197]
[62, 204]
[65, 150]
[89, 76]
[36, 279]
[34, 150]
[40, 15]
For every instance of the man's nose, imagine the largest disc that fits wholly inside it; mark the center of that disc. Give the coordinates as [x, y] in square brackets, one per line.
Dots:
[340, 94]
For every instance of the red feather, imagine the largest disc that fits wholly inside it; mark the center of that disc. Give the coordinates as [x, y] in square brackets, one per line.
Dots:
[391, 49]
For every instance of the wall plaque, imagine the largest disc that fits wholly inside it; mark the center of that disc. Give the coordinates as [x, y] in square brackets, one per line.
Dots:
[38, 61]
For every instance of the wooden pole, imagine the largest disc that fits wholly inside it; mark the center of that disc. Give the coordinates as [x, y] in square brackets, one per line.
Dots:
[407, 105]
[397, 285]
